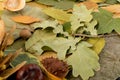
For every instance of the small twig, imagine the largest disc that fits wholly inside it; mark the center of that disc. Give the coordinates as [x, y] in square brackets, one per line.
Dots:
[99, 36]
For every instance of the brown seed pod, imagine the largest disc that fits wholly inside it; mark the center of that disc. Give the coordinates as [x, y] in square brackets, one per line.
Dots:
[25, 33]
[30, 72]
[55, 66]
[14, 5]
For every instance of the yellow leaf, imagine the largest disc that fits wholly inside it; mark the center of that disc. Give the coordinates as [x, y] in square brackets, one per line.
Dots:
[97, 1]
[57, 14]
[98, 44]
[25, 19]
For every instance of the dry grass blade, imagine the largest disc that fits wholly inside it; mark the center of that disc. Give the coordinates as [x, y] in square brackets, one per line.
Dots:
[25, 19]
[10, 71]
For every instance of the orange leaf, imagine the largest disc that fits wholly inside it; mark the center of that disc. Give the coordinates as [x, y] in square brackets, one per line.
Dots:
[112, 8]
[25, 19]
[89, 4]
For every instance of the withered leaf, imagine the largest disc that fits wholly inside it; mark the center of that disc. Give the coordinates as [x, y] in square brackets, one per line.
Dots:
[2, 30]
[25, 19]
[5, 60]
[10, 71]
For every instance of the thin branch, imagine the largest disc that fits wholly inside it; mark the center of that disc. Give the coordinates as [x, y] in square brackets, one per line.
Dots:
[99, 36]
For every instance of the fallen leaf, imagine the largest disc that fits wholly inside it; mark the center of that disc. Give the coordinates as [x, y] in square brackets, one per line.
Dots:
[62, 4]
[112, 8]
[5, 60]
[83, 61]
[28, 0]
[106, 22]
[41, 6]
[89, 4]
[57, 14]
[82, 20]
[43, 38]
[2, 30]
[24, 56]
[10, 71]
[28, 10]
[97, 1]
[98, 44]
[25, 19]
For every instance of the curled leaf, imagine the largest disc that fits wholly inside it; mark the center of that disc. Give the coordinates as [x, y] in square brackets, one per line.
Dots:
[25, 19]
[14, 5]
[2, 30]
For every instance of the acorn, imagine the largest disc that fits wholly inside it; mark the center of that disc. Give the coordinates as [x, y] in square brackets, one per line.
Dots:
[25, 33]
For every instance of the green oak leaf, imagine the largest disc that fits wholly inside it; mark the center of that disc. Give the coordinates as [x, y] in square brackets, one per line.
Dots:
[106, 22]
[83, 61]
[57, 28]
[82, 20]
[42, 38]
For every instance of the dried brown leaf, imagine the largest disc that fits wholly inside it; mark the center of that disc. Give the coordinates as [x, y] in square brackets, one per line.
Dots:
[10, 71]
[25, 19]
[6, 40]
[5, 60]
[2, 30]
